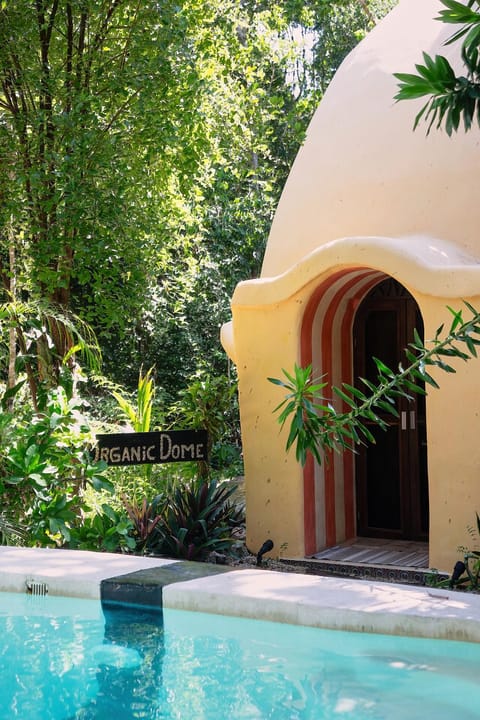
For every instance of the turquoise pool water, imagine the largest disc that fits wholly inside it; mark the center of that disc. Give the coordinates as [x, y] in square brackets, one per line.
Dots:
[63, 659]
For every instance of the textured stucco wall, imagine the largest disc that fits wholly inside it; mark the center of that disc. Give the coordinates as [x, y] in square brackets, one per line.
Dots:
[362, 170]
[366, 191]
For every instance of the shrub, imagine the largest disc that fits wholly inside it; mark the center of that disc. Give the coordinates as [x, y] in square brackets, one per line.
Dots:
[108, 531]
[190, 520]
[45, 466]
[144, 520]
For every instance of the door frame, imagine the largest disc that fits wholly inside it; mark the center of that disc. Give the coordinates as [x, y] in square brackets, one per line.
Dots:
[326, 343]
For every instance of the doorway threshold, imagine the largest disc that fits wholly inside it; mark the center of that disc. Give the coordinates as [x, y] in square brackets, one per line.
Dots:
[400, 561]
[368, 551]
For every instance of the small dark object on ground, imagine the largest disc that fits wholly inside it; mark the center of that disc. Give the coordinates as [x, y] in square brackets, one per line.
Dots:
[458, 571]
[266, 547]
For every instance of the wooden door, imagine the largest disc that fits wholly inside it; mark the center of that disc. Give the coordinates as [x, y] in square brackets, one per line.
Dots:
[391, 475]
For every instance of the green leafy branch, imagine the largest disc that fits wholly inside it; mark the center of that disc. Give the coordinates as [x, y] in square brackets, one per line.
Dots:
[140, 416]
[317, 426]
[451, 98]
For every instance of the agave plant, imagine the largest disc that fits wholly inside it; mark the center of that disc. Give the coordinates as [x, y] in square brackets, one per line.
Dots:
[196, 519]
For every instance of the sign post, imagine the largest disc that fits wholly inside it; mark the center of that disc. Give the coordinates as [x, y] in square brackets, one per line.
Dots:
[152, 447]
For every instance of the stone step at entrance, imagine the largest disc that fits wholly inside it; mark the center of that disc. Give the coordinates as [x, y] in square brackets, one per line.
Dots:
[372, 559]
[400, 553]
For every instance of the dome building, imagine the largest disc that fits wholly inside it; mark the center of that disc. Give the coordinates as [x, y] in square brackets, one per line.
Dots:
[377, 232]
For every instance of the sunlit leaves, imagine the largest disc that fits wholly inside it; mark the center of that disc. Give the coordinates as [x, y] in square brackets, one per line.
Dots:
[303, 403]
[452, 98]
[138, 416]
[145, 190]
[316, 425]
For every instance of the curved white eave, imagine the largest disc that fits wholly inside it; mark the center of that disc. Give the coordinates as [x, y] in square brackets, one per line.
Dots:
[427, 264]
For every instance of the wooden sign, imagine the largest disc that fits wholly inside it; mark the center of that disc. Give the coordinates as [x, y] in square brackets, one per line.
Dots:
[152, 447]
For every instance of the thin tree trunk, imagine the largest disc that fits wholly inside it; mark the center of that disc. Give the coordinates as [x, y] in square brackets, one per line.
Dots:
[367, 11]
[12, 336]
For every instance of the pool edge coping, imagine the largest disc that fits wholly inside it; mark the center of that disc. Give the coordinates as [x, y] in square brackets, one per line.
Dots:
[294, 598]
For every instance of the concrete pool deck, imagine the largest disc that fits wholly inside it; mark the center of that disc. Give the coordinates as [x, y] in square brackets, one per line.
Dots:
[358, 605]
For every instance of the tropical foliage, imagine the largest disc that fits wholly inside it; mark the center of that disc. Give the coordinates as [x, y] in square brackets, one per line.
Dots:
[196, 519]
[46, 466]
[316, 425]
[466, 572]
[452, 98]
[143, 149]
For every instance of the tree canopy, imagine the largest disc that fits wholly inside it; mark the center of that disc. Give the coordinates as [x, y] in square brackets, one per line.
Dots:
[143, 148]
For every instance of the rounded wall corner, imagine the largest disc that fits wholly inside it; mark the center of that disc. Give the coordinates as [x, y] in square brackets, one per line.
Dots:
[227, 340]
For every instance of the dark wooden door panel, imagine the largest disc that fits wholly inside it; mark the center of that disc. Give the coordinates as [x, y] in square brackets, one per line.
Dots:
[391, 474]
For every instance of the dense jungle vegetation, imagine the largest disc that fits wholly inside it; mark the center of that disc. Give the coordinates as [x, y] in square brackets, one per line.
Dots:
[143, 150]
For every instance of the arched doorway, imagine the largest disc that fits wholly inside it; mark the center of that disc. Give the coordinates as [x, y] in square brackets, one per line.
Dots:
[339, 328]
[390, 475]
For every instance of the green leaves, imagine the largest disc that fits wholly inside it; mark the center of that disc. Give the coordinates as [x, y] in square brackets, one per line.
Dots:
[140, 416]
[144, 519]
[206, 403]
[436, 75]
[457, 12]
[107, 530]
[452, 98]
[45, 466]
[304, 401]
[317, 424]
[196, 518]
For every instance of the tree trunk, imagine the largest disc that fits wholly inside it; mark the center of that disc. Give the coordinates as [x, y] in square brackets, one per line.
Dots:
[12, 337]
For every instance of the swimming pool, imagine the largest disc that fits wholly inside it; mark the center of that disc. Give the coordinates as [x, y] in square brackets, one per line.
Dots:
[64, 659]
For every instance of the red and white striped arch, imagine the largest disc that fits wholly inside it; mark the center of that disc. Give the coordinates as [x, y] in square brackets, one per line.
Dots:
[327, 344]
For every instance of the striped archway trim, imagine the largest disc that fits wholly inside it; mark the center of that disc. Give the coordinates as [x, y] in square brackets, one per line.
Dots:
[326, 343]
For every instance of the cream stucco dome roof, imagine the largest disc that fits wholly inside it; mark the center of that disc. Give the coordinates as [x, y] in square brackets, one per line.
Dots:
[363, 171]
